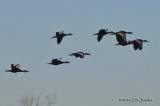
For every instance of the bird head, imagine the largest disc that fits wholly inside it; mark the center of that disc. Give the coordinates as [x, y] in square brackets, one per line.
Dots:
[145, 41]
[106, 30]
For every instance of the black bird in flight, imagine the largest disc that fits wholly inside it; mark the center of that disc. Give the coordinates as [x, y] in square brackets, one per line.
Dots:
[15, 69]
[79, 54]
[60, 35]
[101, 33]
[138, 44]
[57, 61]
[121, 37]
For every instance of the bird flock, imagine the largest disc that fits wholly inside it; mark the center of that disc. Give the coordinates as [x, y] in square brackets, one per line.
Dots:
[120, 37]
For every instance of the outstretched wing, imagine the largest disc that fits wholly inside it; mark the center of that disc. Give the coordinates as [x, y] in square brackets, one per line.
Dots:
[121, 38]
[135, 46]
[103, 31]
[54, 60]
[140, 45]
[99, 37]
[81, 55]
[59, 39]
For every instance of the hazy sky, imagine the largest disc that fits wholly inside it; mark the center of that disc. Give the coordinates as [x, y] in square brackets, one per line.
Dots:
[101, 79]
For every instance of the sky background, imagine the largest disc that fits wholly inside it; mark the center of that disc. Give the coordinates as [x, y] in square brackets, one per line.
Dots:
[101, 79]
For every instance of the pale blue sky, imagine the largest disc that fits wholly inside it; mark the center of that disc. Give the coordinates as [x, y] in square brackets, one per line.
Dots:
[109, 73]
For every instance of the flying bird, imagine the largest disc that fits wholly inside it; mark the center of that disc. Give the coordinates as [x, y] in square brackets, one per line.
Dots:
[15, 69]
[138, 44]
[60, 35]
[57, 61]
[79, 54]
[121, 37]
[101, 33]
